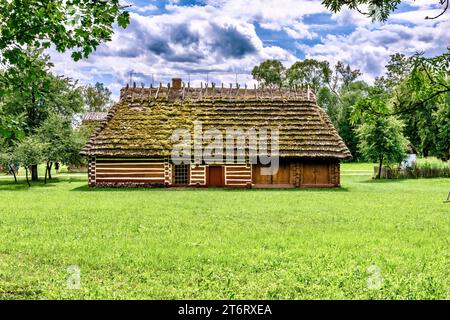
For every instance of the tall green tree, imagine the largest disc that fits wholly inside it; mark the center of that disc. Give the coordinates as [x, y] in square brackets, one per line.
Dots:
[345, 125]
[29, 152]
[380, 135]
[33, 93]
[269, 73]
[57, 135]
[310, 72]
[442, 118]
[418, 86]
[382, 141]
[96, 98]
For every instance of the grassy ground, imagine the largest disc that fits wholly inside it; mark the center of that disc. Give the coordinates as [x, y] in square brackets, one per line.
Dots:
[274, 244]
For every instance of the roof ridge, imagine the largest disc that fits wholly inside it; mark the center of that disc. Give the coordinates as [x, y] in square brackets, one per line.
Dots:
[217, 93]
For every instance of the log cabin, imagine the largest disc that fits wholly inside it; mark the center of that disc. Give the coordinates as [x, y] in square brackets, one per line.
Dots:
[132, 147]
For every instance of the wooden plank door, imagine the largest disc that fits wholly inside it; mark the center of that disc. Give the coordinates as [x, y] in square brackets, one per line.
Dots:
[283, 174]
[215, 176]
[316, 174]
[258, 178]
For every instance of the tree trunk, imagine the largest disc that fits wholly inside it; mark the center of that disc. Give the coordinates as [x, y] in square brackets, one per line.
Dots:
[34, 172]
[379, 168]
[26, 175]
[46, 170]
[50, 170]
[13, 171]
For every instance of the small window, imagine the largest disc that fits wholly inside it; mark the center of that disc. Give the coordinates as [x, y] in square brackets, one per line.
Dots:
[181, 174]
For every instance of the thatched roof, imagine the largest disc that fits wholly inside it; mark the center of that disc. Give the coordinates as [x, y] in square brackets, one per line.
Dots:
[142, 122]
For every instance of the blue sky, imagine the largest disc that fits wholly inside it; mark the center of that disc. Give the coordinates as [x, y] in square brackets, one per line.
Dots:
[221, 40]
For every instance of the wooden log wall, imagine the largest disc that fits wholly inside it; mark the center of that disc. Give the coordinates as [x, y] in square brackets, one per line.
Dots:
[335, 173]
[238, 175]
[197, 175]
[111, 172]
[91, 172]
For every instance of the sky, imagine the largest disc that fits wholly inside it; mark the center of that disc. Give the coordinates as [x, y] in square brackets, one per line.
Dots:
[222, 40]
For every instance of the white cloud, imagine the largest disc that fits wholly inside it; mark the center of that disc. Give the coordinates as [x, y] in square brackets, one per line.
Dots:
[221, 38]
[175, 44]
[147, 8]
[369, 50]
[351, 17]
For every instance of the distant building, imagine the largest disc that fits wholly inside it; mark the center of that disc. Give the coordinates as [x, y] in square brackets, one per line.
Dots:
[93, 117]
[410, 160]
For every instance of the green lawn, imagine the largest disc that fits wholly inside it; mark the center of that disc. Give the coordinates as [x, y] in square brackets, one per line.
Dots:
[227, 244]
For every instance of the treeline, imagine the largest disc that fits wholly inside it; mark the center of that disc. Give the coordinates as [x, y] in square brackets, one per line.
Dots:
[40, 113]
[407, 108]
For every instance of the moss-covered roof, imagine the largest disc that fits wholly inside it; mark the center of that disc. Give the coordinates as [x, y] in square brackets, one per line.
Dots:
[142, 122]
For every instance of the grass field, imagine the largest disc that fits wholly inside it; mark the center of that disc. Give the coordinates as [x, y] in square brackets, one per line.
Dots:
[227, 244]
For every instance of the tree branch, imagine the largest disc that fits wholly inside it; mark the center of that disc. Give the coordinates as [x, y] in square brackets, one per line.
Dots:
[443, 11]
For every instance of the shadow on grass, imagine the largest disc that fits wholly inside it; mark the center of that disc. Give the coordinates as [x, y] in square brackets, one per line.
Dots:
[21, 184]
[384, 181]
[86, 188]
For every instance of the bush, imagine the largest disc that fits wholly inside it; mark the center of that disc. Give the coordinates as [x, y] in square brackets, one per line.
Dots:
[424, 168]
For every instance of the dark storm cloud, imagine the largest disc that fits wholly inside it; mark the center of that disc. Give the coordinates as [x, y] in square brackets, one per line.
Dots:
[230, 43]
[181, 43]
[181, 34]
[159, 46]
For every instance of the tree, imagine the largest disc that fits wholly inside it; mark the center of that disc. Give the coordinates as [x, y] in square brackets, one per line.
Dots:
[428, 79]
[442, 118]
[57, 135]
[382, 140]
[8, 162]
[345, 125]
[11, 128]
[378, 10]
[342, 77]
[309, 72]
[77, 25]
[269, 72]
[96, 98]
[398, 69]
[380, 136]
[33, 93]
[29, 152]
[417, 86]
[330, 103]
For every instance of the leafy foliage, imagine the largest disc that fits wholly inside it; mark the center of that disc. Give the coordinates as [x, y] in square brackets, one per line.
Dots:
[11, 128]
[29, 152]
[33, 93]
[380, 136]
[309, 72]
[269, 72]
[77, 25]
[378, 10]
[57, 134]
[96, 98]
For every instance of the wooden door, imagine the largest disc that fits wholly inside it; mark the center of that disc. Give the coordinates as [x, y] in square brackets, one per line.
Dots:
[258, 178]
[281, 177]
[283, 174]
[316, 174]
[215, 176]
